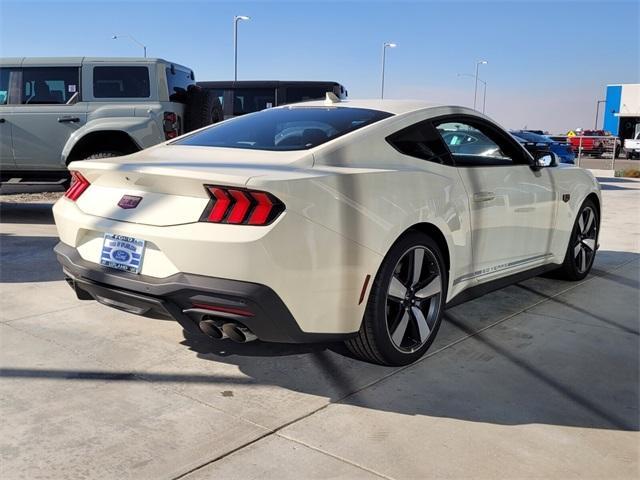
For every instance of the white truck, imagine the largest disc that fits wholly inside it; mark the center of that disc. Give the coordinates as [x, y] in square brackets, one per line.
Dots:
[632, 147]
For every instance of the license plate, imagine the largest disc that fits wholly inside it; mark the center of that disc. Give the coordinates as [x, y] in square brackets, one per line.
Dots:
[122, 253]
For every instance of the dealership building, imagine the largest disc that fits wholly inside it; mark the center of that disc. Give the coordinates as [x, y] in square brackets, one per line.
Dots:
[622, 110]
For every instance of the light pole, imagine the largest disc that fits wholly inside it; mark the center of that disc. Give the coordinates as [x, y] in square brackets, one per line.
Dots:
[384, 57]
[598, 102]
[130, 37]
[475, 91]
[484, 90]
[236, 19]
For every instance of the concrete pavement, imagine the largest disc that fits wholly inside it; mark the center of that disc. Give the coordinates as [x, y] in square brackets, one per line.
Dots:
[537, 380]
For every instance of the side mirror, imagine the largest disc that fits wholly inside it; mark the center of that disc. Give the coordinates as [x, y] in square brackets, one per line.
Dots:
[544, 159]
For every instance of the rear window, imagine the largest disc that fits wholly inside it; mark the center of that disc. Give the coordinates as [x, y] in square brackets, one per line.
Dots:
[121, 82]
[178, 82]
[284, 129]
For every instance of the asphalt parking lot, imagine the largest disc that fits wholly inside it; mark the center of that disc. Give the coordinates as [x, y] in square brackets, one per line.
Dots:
[540, 379]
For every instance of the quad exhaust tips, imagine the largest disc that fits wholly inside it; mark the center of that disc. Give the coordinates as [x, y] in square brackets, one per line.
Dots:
[213, 329]
[238, 333]
[210, 329]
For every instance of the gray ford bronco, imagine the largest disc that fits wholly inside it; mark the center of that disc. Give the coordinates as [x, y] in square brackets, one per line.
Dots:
[57, 110]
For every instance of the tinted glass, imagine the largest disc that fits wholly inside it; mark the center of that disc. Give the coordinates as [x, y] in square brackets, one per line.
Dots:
[531, 137]
[4, 85]
[302, 94]
[121, 82]
[285, 129]
[178, 82]
[471, 146]
[421, 141]
[249, 100]
[49, 85]
[218, 92]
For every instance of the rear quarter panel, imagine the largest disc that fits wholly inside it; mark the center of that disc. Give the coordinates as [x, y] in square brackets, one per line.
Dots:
[370, 194]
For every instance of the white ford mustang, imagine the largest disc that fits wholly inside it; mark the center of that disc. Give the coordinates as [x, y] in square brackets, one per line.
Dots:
[357, 220]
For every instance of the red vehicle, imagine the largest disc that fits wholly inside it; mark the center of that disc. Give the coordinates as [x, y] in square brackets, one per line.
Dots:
[592, 143]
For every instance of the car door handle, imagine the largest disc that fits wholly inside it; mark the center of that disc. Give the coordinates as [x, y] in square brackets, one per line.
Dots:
[68, 119]
[483, 196]
[2, 120]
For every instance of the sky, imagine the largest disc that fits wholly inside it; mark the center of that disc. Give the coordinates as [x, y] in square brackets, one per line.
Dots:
[548, 61]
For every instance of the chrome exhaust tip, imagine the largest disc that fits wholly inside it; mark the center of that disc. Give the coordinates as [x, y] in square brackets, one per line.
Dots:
[210, 329]
[238, 333]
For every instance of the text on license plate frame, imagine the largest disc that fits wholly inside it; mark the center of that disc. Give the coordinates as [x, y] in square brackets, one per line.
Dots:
[122, 253]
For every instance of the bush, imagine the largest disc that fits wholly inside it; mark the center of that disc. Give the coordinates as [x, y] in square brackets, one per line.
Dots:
[628, 172]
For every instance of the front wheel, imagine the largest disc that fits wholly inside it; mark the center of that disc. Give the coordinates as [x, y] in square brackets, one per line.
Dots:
[405, 305]
[583, 243]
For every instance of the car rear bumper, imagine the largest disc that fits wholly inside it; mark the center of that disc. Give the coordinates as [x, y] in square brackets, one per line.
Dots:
[182, 297]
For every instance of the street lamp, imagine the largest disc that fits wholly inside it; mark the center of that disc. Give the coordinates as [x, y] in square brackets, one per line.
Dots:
[384, 54]
[236, 19]
[484, 90]
[130, 37]
[598, 102]
[475, 92]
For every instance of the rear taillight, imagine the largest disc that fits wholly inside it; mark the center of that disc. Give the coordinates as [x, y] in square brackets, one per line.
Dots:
[240, 206]
[171, 125]
[78, 185]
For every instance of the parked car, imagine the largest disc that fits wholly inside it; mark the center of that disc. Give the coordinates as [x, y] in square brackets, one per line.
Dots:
[57, 110]
[358, 221]
[242, 97]
[632, 147]
[534, 143]
[595, 143]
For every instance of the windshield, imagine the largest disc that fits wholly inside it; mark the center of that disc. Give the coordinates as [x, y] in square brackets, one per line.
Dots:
[283, 129]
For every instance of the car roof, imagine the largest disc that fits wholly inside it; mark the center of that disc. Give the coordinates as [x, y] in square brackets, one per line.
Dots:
[265, 83]
[77, 61]
[395, 107]
[530, 136]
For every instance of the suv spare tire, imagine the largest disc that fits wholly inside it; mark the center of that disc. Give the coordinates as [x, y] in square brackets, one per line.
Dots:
[202, 108]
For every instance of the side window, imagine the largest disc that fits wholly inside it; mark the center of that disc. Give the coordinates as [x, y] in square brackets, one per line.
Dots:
[474, 144]
[218, 92]
[421, 141]
[249, 100]
[4, 85]
[121, 82]
[49, 85]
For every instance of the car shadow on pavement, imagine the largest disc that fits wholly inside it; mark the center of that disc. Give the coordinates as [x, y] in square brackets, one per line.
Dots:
[571, 366]
[26, 259]
[26, 213]
[604, 186]
[536, 369]
[615, 180]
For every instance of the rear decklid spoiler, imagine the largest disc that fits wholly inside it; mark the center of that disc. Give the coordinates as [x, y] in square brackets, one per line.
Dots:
[170, 180]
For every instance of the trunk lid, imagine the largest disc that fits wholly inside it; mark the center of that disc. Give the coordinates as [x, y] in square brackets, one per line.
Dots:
[170, 180]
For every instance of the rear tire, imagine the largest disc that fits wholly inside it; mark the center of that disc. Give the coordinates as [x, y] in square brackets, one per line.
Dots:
[583, 242]
[405, 306]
